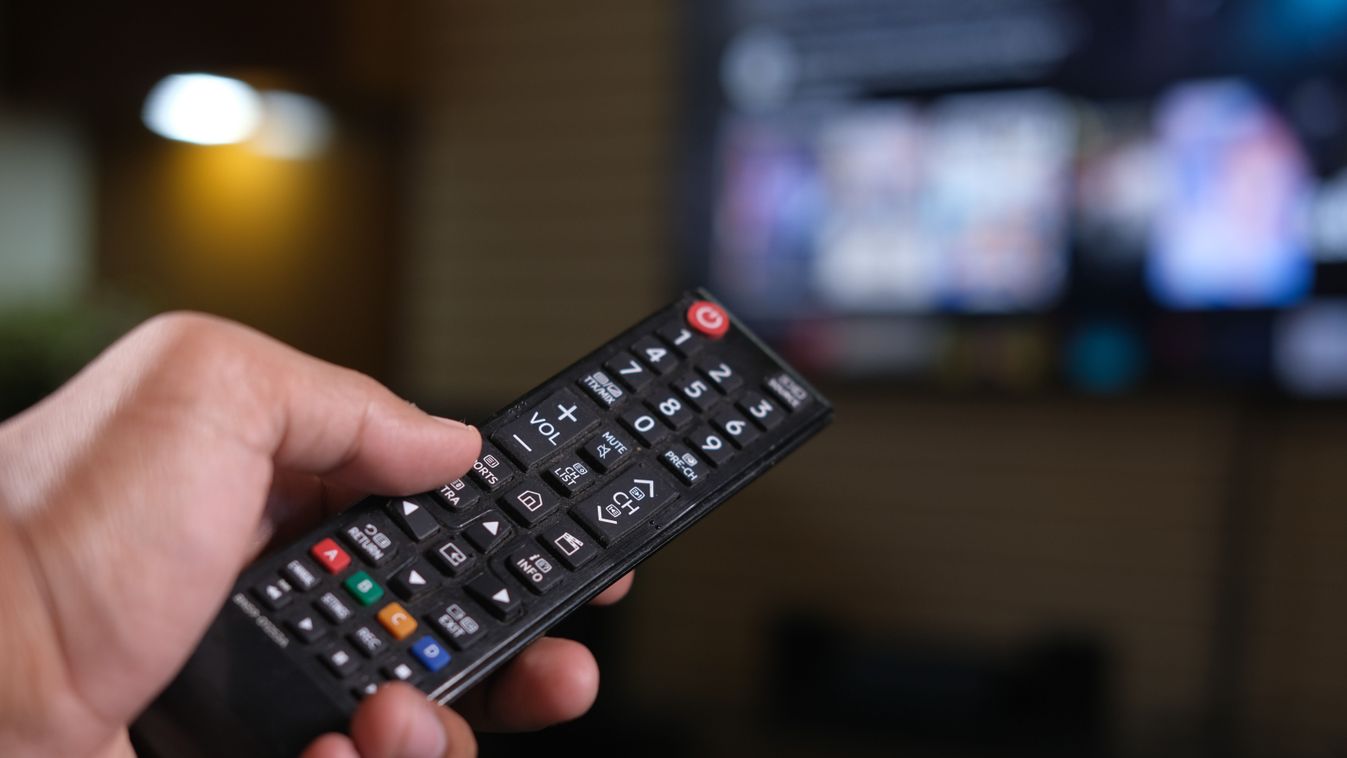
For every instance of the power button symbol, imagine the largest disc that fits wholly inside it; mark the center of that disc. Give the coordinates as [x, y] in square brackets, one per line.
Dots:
[708, 318]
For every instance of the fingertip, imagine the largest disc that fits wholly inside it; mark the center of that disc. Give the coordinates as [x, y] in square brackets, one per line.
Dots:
[615, 591]
[552, 681]
[400, 721]
[331, 746]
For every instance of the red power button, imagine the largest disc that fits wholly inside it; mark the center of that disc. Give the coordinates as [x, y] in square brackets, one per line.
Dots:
[709, 319]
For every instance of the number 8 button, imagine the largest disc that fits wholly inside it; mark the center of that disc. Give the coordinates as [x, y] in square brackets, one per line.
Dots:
[673, 409]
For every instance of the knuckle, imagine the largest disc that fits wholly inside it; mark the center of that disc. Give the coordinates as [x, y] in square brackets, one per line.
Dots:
[190, 352]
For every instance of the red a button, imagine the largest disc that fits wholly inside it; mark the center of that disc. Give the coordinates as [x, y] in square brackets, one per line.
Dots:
[328, 553]
[709, 319]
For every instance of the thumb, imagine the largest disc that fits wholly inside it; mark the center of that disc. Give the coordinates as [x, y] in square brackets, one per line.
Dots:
[399, 722]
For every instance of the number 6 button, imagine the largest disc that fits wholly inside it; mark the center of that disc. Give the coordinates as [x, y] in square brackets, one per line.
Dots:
[735, 427]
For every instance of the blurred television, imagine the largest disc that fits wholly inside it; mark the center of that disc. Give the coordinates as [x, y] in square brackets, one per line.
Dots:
[1096, 195]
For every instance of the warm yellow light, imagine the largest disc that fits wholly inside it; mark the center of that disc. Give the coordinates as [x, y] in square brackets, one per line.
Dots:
[202, 109]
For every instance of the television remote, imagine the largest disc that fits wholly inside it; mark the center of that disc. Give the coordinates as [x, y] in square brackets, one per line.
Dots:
[578, 481]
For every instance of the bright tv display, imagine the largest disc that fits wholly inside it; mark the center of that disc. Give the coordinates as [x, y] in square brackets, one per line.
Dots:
[963, 192]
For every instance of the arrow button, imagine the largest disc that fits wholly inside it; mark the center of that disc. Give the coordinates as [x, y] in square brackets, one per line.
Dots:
[495, 596]
[488, 531]
[413, 519]
[307, 627]
[412, 580]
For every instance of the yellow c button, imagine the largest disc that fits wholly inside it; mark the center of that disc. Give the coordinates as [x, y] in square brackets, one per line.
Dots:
[397, 621]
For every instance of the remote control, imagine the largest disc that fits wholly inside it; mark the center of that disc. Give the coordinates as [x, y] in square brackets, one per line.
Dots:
[577, 482]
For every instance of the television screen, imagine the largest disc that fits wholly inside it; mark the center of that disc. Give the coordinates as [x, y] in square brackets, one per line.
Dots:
[885, 185]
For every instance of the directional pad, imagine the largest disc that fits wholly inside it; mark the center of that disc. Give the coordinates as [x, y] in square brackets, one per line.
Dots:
[495, 596]
[413, 580]
[413, 518]
[488, 531]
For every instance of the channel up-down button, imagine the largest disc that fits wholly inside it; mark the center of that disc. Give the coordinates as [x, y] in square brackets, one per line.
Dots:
[626, 502]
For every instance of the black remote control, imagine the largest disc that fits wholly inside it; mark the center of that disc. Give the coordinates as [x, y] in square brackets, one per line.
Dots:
[578, 481]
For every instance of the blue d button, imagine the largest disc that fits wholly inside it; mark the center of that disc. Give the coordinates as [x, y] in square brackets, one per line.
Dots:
[430, 653]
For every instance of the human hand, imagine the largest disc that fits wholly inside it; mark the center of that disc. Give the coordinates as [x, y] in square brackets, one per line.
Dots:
[132, 497]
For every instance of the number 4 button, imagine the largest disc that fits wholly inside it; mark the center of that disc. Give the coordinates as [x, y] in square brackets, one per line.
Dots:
[655, 354]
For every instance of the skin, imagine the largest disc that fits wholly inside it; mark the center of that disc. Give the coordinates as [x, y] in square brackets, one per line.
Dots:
[133, 496]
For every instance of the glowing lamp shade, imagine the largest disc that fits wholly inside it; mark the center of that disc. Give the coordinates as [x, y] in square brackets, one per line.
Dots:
[202, 109]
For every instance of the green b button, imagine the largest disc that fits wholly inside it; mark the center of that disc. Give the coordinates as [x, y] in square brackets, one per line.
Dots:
[363, 588]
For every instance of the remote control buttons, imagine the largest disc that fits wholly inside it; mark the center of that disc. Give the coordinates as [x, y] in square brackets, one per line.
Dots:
[787, 390]
[367, 641]
[736, 427]
[430, 653]
[340, 660]
[721, 374]
[680, 338]
[684, 464]
[711, 445]
[457, 495]
[629, 371]
[488, 531]
[333, 607]
[643, 424]
[608, 449]
[708, 318]
[453, 558]
[570, 475]
[364, 687]
[413, 518]
[696, 391]
[274, 594]
[490, 471]
[458, 625]
[534, 568]
[306, 627]
[546, 427]
[397, 621]
[572, 546]
[330, 556]
[629, 500]
[764, 412]
[300, 575]
[398, 672]
[602, 388]
[530, 502]
[369, 536]
[412, 580]
[674, 411]
[363, 588]
[655, 354]
[501, 601]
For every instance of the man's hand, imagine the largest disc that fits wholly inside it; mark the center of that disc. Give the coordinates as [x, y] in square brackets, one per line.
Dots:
[131, 498]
